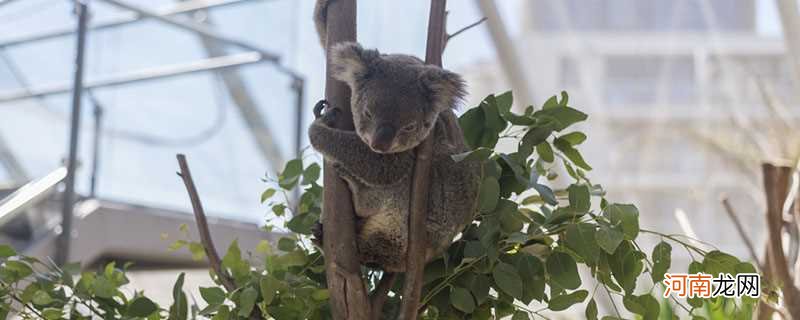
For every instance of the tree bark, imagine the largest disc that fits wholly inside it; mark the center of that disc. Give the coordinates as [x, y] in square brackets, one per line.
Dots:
[417, 237]
[776, 188]
[348, 294]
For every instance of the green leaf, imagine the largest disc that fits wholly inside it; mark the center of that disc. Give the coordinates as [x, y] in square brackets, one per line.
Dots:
[580, 238]
[50, 314]
[477, 154]
[16, 270]
[571, 153]
[643, 305]
[504, 103]
[268, 286]
[563, 270]
[41, 298]
[745, 267]
[626, 265]
[520, 315]
[579, 197]
[608, 238]
[286, 244]
[662, 260]
[545, 193]
[591, 310]
[311, 174]
[537, 135]
[320, 294]
[279, 209]
[212, 295]
[267, 194]
[625, 216]
[232, 261]
[563, 116]
[551, 102]
[197, 250]
[531, 270]
[462, 300]
[545, 152]
[180, 307]
[7, 251]
[224, 313]
[508, 280]
[480, 288]
[247, 300]
[473, 249]
[302, 223]
[177, 245]
[494, 122]
[472, 124]
[574, 138]
[716, 262]
[141, 307]
[291, 173]
[695, 267]
[489, 194]
[564, 301]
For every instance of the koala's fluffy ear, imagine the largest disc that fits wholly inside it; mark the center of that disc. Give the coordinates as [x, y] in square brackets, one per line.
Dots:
[445, 89]
[350, 62]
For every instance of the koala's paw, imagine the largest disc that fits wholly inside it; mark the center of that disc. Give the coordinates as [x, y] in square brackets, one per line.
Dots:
[325, 113]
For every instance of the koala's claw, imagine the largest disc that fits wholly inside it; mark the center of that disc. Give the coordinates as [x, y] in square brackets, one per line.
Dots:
[322, 104]
[327, 114]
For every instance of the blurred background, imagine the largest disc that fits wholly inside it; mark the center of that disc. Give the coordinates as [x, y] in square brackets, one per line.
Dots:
[685, 99]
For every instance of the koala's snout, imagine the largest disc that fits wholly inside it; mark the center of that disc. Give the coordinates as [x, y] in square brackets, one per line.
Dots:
[383, 138]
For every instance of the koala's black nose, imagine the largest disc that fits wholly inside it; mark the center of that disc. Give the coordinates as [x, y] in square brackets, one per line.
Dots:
[383, 137]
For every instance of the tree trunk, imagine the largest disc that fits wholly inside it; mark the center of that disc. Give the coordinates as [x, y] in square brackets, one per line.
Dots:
[348, 294]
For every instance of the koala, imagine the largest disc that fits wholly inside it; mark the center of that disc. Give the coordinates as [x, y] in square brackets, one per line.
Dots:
[396, 102]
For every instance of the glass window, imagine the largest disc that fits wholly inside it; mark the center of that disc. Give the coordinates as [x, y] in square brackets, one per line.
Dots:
[649, 79]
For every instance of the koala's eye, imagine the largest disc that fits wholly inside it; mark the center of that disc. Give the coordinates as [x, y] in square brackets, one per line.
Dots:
[367, 114]
[411, 127]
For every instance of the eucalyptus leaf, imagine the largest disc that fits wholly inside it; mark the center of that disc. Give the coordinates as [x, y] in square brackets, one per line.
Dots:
[563, 302]
[563, 270]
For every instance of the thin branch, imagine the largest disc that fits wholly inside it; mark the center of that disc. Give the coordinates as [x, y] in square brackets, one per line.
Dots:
[740, 229]
[381, 293]
[470, 26]
[417, 242]
[202, 228]
[202, 225]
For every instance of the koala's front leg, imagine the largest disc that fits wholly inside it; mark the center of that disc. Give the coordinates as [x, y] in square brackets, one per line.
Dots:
[347, 149]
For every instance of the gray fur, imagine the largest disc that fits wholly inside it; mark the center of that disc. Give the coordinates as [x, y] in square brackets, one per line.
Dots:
[398, 91]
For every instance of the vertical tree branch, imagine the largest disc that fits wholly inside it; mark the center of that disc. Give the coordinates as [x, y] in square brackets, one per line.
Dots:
[417, 237]
[348, 293]
[776, 188]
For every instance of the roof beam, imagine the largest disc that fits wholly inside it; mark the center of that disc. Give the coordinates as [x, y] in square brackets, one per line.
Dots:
[194, 27]
[171, 10]
[224, 62]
